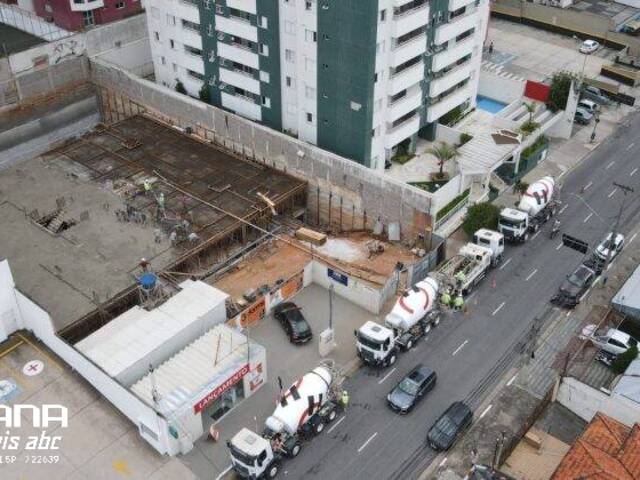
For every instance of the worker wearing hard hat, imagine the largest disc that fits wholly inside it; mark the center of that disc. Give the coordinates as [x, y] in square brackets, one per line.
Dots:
[458, 302]
[445, 299]
[344, 399]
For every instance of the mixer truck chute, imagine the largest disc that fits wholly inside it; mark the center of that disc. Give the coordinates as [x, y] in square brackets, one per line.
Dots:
[302, 412]
[536, 206]
[412, 317]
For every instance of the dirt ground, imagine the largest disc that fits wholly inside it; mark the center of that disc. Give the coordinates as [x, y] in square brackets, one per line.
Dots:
[282, 260]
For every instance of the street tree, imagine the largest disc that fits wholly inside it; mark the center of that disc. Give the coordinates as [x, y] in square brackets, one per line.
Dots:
[481, 215]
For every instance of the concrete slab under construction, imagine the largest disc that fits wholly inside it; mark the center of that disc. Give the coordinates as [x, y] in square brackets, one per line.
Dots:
[77, 221]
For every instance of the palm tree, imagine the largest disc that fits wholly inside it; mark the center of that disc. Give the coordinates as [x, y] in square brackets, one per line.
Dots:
[531, 109]
[443, 152]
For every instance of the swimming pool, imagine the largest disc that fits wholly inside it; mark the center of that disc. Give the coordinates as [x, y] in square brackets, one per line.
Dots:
[489, 104]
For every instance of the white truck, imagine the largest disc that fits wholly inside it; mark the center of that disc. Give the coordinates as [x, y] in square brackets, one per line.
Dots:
[492, 240]
[461, 273]
[536, 206]
[414, 314]
[303, 410]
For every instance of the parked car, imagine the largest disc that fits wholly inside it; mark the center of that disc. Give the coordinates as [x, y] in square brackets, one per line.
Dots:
[446, 429]
[414, 386]
[588, 105]
[607, 247]
[574, 286]
[589, 46]
[582, 116]
[293, 322]
[610, 340]
[595, 94]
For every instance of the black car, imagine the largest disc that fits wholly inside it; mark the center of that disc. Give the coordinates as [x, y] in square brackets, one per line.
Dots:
[451, 423]
[411, 388]
[293, 322]
[574, 287]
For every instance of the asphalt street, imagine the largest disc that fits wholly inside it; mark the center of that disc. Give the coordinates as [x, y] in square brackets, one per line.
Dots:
[470, 351]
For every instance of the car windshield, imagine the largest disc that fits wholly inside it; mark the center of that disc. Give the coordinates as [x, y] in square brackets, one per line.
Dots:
[446, 426]
[408, 386]
[575, 280]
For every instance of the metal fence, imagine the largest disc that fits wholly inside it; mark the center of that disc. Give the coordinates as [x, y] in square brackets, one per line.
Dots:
[29, 22]
[419, 270]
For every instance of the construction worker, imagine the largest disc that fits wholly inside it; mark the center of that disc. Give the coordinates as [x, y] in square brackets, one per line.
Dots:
[445, 299]
[458, 302]
[144, 265]
[344, 399]
[147, 187]
[460, 278]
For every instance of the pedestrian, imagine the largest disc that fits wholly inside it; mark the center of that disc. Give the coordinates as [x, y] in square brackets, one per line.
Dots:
[173, 238]
[344, 399]
[193, 238]
[147, 187]
[157, 235]
[144, 265]
[491, 48]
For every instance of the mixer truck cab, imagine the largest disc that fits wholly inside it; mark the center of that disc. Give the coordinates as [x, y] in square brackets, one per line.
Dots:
[376, 345]
[252, 455]
[514, 224]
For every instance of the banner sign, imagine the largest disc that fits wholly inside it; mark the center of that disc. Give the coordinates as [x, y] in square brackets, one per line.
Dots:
[220, 389]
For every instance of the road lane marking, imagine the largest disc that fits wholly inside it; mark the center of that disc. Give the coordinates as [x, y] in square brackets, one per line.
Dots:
[224, 472]
[444, 460]
[531, 275]
[559, 247]
[336, 424]
[611, 164]
[498, 309]
[588, 217]
[587, 186]
[460, 347]
[511, 380]
[537, 233]
[633, 172]
[386, 376]
[613, 192]
[486, 410]
[367, 442]
[630, 146]
[563, 208]
[505, 264]
[633, 237]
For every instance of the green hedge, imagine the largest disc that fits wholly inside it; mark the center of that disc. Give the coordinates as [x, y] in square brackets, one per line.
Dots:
[452, 204]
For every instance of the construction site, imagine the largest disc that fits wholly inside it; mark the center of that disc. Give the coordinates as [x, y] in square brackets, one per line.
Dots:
[139, 252]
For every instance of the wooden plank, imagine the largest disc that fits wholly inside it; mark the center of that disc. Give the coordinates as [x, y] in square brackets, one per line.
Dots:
[311, 236]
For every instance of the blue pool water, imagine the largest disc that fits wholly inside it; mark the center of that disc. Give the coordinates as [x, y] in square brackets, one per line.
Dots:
[489, 104]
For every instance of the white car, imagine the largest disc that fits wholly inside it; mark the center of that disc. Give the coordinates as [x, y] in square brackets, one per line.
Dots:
[588, 105]
[607, 247]
[589, 46]
[612, 340]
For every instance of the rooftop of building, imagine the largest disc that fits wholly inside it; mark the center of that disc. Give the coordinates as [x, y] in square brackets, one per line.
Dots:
[607, 449]
[618, 12]
[65, 228]
[14, 40]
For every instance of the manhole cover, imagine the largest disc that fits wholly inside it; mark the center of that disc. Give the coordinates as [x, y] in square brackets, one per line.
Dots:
[32, 368]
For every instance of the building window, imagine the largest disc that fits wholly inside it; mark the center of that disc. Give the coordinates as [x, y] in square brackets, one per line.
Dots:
[309, 117]
[265, 77]
[310, 36]
[309, 64]
[120, 5]
[88, 18]
[266, 102]
[289, 55]
[308, 5]
[172, 44]
[156, 35]
[289, 27]
[264, 23]
[309, 92]
[383, 15]
[288, 81]
[163, 60]
[263, 49]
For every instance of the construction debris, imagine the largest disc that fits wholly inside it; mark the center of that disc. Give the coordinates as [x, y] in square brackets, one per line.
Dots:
[311, 236]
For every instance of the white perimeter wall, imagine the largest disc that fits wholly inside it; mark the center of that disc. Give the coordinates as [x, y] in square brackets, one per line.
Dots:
[19, 312]
[500, 88]
[585, 401]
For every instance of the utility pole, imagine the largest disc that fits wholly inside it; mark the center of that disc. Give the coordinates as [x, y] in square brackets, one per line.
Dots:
[625, 190]
[331, 306]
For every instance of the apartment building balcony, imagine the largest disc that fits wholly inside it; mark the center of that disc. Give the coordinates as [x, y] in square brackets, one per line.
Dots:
[458, 4]
[240, 79]
[400, 3]
[402, 130]
[402, 106]
[409, 49]
[441, 82]
[192, 62]
[455, 27]
[409, 20]
[237, 27]
[439, 106]
[239, 54]
[242, 106]
[407, 78]
[452, 54]
[85, 5]
[244, 5]
[189, 36]
[189, 11]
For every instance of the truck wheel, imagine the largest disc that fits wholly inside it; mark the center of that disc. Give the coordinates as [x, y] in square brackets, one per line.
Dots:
[427, 329]
[525, 238]
[318, 427]
[436, 321]
[295, 450]
[392, 359]
[273, 470]
[332, 416]
[409, 344]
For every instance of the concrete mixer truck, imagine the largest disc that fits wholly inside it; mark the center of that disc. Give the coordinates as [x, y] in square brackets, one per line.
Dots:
[302, 412]
[414, 314]
[537, 205]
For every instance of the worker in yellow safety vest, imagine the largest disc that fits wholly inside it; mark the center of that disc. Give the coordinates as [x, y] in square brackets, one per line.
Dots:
[344, 399]
[458, 302]
[445, 299]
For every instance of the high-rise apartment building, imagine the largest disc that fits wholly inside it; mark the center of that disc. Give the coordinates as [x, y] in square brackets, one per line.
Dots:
[361, 78]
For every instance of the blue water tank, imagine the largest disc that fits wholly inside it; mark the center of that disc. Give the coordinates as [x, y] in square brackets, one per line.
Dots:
[148, 281]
